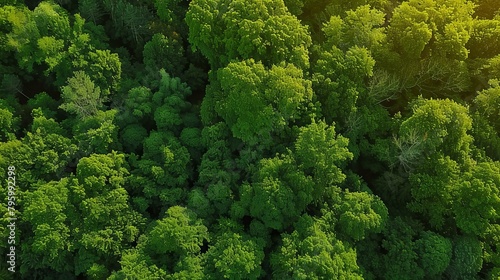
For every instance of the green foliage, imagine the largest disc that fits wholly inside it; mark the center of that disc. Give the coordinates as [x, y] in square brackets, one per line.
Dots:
[309, 253]
[360, 27]
[338, 80]
[132, 136]
[280, 193]
[400, 261]
[170, 102]
[81, 96]
[8, 123]
[97, 134]
[478, 198]
[135, 265]
[434, 63]
[234, 256]
[250, 139]
[46, 37]
[441, 125]
[164, 52]
[138, 102]
[294, 6]
[257, 103]
[179, 232]
[321, 154]
[169, 10]
[46, 151]
[432, 190]
[91, 10]
[263, 30]
[361, 213]
[172, 242]
[484, 35]
[45, 210]
[44, 102]
[448, 23]
[466, 260]
[487, 103]
[130, 21]
[435, 253]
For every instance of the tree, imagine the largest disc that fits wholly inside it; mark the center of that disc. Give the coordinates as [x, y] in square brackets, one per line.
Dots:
[90, 214]
[106, 224]
[131, 137]
[361, 214]
[105, 69]
[179, 232]
[321, 154]
[8, 123]
[257, 103]
[466, 261]
[432, 190]
[170, 11]
[138, 105]
[217, 172]
[162, 175]
[91, 10]
[265, 31]
[486, 126]
[401, 259]
[484, 34]
[435, 253]
[44, 102]
[280, 192]
[487, 103]
[46, 211]
[41, 155]
[170, 249]
[134, 264]
[129, 22]
[81, 96]
[162, 52]
[97, 134]
[442, 125]
[491, 246]
[447, 22]
[309, 253]
[477, 199]
[435, 62]
[45, 37]
[360, 27]
[170, 103]
[338, 80]
[234, 255]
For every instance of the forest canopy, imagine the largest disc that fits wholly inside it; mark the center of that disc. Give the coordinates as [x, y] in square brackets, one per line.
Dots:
[250, 139]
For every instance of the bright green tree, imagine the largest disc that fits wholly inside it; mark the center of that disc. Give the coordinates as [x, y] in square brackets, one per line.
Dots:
[309, 253]
[257, 103]
[262, 30]
[322, 153]
[233, 254]
[81, 96]
[360, 214]
[169, 250]
[50, 245]
[478, 198]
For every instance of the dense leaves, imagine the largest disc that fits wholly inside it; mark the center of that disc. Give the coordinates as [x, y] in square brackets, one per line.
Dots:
[250, 139]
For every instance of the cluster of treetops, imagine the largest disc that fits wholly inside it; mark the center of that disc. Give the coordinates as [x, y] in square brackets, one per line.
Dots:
[251, 139]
